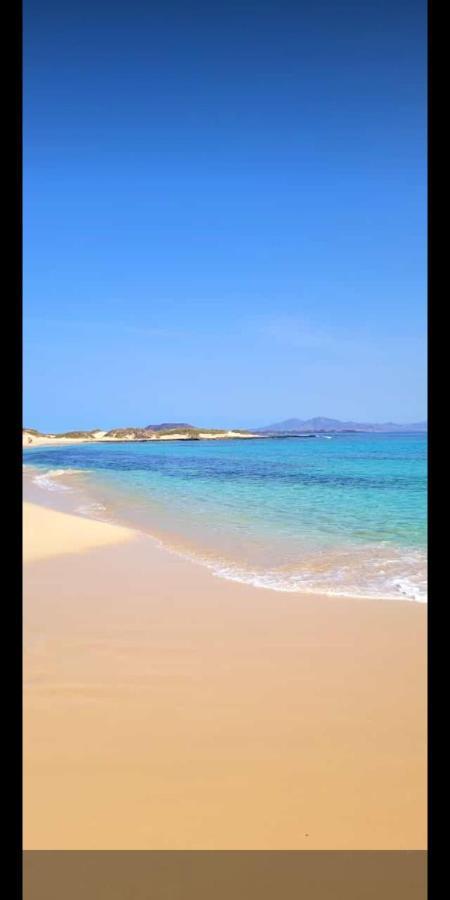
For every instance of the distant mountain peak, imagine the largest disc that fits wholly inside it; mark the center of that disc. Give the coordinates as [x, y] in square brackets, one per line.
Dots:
[322, 423]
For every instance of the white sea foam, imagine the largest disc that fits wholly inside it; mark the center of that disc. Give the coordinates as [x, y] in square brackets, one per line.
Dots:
[410, 591]
[392, 589]
[47, 481]
[333, 581]
[90, 510]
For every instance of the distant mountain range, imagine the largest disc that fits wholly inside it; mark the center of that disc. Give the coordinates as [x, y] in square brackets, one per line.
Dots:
[320, 423]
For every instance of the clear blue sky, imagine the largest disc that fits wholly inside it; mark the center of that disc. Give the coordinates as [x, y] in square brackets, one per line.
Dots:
[224, 211]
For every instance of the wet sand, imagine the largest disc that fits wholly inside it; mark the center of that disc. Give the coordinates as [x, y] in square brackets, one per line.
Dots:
[165, 708]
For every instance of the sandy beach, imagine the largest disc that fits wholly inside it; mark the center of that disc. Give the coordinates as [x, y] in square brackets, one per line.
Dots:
[168, 708]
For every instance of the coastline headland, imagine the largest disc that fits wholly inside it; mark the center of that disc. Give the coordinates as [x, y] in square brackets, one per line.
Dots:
[31, 437]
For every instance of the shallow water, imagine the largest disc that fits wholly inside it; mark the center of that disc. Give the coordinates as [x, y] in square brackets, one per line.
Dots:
[342, 515]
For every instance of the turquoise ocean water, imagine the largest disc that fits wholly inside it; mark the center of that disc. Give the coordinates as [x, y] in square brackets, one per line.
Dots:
[343, 514]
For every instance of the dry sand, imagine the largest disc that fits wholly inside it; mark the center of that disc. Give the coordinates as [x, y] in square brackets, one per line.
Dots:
[49, 533]
[167, 708]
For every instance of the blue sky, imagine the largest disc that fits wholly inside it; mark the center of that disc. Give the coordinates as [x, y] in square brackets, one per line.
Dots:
[224, 212]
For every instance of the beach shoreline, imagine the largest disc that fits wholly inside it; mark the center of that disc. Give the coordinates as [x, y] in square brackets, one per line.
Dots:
[166, 708]
[312, 570]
